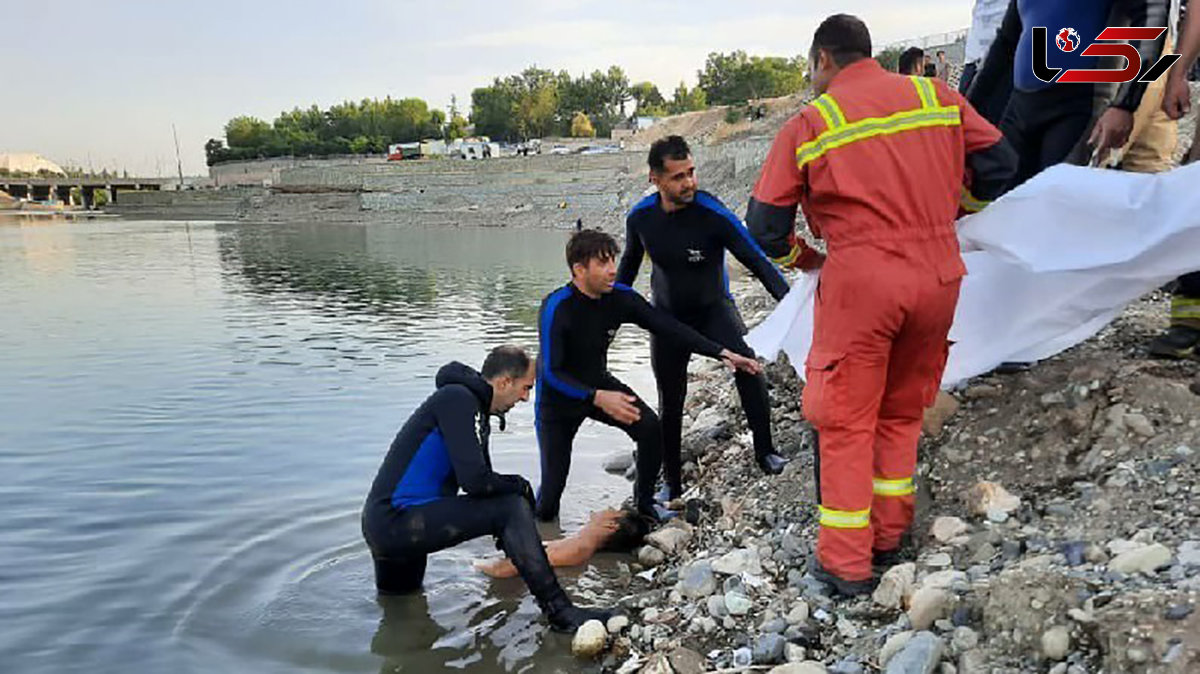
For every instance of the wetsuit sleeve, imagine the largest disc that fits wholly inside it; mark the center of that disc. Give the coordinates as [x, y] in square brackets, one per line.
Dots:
[739, 242]
[553, 328]
[1142, 13]
[631, 259]
[639, 312]
[998, 64]
[455, 416]
[771, 214]
[991, 159]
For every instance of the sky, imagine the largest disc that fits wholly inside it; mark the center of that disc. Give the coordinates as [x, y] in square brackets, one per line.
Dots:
[100, 84]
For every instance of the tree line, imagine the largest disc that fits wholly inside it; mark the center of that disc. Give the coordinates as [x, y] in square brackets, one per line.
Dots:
[531, 104]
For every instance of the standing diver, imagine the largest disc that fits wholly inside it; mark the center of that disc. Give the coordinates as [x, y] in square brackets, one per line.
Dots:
[414, 507]
[686, 232]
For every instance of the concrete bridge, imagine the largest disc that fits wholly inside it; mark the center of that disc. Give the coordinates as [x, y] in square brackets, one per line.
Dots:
[56, 188]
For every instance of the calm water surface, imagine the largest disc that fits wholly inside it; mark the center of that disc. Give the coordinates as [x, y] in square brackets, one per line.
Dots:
[191, 415]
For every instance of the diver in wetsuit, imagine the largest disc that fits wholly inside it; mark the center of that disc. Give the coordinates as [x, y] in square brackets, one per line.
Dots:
[576, 324]
[685, 232]
[414, 507]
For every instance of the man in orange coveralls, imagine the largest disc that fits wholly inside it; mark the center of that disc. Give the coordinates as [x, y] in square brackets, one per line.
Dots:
[878, 163]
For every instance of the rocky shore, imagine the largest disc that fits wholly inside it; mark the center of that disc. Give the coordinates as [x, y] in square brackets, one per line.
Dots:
[1057, 530]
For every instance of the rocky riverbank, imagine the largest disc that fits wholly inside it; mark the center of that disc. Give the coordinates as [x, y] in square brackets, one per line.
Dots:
[1058, 530]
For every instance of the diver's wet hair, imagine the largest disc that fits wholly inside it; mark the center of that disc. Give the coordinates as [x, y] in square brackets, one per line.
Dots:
[591, 244]
[505, 361]
[632, 528]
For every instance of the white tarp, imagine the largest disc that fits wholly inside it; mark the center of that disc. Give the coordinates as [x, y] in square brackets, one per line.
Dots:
[1049, 265]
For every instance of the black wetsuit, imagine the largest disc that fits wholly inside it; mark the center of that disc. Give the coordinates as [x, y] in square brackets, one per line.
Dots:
[574, 333]
[414, 507]
[687, 250]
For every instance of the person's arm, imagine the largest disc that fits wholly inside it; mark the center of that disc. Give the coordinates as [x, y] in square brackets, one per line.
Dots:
[998, 64]
[631, 259]
[552, 337]
[991, 159]
[455, 413]
[638, 311]
[1177, 100]
[771, 214]
[738, 241]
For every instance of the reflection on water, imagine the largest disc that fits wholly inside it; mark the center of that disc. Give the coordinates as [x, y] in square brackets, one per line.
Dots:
[191, 415]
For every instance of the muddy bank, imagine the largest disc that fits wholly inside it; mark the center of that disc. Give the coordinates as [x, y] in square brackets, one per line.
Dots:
[1058, 530]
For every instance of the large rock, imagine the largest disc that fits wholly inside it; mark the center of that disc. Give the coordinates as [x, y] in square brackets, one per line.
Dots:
[650, 556]
[1145, 559]
[590, 639]
[1189, 553]
[936, 416]
[985, 497]
[697, 581]
[1056, 643]
[768, 649]
[895, 584]
[892, 646]
[928, 605]
[618, 462]
[920, 655]
[738, 603]
[686, 661]
[716, 606]
[946, 529]
[735, 562]
[670, 539]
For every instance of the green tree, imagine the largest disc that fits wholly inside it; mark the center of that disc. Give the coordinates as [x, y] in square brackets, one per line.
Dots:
[248, 132]
[736, 77]
[686, 100]
[581, 126]
[890, 58]
[646, 97]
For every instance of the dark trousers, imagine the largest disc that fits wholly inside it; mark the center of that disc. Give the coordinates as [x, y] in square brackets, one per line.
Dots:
[1048, 127]
[400, 540]
[723, 325]
[556, 429]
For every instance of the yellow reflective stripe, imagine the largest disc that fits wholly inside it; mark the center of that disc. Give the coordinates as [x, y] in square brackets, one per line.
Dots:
[875, 126]
[826, 113]
[1185, 307]
[839, 119]
[845, 519]
[970, 203]
[925, 91]
[901, 487]
[790, 258]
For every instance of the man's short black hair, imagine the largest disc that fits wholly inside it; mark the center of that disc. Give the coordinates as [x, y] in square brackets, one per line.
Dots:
[940, 52]
[505, 361]
[845, 36]
[910, 61]
[671, 147]
[930, 70]
[630, 534]
[591, 244]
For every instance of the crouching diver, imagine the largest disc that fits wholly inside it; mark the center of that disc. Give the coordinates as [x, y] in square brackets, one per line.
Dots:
[415, 508]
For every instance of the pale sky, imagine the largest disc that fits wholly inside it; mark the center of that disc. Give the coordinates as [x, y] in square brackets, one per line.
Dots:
[106, 80]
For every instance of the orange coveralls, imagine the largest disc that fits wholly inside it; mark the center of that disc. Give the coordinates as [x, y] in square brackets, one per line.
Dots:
[878, 165]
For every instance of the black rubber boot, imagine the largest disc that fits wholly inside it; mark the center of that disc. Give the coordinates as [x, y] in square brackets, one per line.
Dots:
[772, 463]
[882, 560]
[564, 616]
[846, 588]
[1178, 342]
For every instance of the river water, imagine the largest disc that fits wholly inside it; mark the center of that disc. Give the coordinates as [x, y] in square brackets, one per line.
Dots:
[191, 415]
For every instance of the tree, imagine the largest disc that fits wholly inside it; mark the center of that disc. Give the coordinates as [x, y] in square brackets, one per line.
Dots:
[890, 58]
[645, 97]
[581, 126]
[686, 100]
[736, 77]
[248, 132]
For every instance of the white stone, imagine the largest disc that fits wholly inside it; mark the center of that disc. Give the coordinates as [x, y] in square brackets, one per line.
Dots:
[896, 583]
[1146, 559]
[590, 639]
[650, 556]
[945, 580]
[799, 613]
[946, 529]
[1056, 643]
[670, 539]
[929, 604]
[738, 603]
[807, 667]
[986, 496]
[616, 624]
[735, 562]
[892, 646]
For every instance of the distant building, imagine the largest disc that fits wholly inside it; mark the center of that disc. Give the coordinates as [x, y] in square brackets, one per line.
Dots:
[28, 162]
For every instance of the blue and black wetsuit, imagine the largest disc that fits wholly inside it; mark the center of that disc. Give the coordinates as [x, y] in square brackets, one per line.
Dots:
[1049, 123]
[414, 507]
[689, 281]
[574, 333]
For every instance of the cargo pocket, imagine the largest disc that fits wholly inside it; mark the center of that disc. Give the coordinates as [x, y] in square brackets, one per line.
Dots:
[935, 377]
[823, 403]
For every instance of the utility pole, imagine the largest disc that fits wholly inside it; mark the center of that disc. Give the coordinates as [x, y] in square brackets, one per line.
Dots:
[178, 161]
